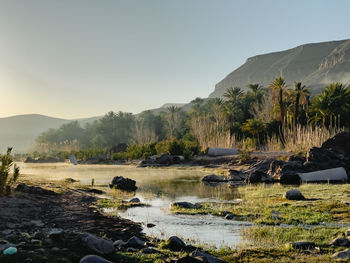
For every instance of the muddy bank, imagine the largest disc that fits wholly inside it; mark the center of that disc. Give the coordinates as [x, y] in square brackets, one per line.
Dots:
[48, 227]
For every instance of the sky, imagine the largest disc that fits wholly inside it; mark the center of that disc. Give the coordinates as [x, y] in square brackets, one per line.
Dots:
[83, 58]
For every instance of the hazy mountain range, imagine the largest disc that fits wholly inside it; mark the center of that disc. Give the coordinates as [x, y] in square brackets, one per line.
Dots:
[316, 65]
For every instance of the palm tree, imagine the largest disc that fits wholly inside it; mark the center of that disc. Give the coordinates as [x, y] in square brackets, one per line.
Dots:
[233, 94]
[301, 97]
[279, 85]
[258, 92]
[333, 103]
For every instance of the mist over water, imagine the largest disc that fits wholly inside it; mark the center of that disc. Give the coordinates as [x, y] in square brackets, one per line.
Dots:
[158, 188]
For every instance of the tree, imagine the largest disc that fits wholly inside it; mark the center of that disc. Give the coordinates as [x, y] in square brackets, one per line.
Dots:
[333, 104]
[257, 92]
[174, 118]
[278, 86]
[301, 98]
[254, 127]
[5, 180]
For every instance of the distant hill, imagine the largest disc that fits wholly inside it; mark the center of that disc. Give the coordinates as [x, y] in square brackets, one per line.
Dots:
[20, 131]
[316, 65]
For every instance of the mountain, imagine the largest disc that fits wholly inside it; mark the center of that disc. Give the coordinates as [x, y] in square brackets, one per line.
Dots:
[316, 65]
[20, 131]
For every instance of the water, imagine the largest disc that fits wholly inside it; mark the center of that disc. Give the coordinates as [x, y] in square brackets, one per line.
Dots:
[158, 188]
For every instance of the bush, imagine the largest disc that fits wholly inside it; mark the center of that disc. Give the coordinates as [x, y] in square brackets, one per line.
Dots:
[186, 148]
[6, 181]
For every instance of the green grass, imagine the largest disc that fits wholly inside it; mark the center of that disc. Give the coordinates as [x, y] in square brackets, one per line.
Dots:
[118, 204]
[266, 205]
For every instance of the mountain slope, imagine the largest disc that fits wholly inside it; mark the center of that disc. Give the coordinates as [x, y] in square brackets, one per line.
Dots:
[315, 64]
[21, 131]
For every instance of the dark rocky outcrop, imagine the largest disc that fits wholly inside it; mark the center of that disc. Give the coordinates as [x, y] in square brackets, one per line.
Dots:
[302, 245]
[121, 183]
[97, 244]
[175, 244]
[93, 259]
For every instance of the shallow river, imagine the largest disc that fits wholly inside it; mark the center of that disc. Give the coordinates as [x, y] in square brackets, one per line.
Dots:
[158, 188]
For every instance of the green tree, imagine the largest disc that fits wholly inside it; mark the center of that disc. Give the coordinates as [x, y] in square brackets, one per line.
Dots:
[6, 180]
[333, 104]
[278, 86]
[301, 98]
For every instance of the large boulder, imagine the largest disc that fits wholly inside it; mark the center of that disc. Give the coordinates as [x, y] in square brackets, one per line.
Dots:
[258, 172]
[126, 184]
[345, 254]
[209, 258]
[334, 152]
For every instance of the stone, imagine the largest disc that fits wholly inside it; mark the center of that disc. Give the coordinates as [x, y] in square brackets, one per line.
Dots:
[230, 216]
[118, 244]
[209, 258]
[7, 232]
[285, 172]
[56, 234]
[10, 251]
[5, 245]
[135, 242]
[35, 242]
[345, 254]
[175, 244]
[97, 244]
[135, 200]
[93, 259]
[340, 242]
[347, 233]
[214, 178]
[302, 245]
[186, 205]
[55, 250]
[294, 195]
[131, 249]
[126, 184]
[150, 225]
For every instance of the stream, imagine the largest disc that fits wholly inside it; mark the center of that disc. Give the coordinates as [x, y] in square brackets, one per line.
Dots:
[158, 187]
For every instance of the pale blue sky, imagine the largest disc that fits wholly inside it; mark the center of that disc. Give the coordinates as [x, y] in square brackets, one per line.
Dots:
[83, 58]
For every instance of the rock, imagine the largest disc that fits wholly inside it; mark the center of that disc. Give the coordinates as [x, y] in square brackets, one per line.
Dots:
[165, 158]
[70, 180]
[135, 200]
[98, 245]
[294, 195]
[230, 216]
[119, 182]
[93, 259]
[55, 250]
[186, 205]
[345, 254]
[340, 242]
[188, 259]
[119, 244]
[209, 258]
[214, 178]
[5, 245]
[285, 172]
[56, 234]
[135, 242]
[150, 225]
[175, 244]
[94, 191]
[347, 233]
[22, 187]
[10, 251]
[35, 242]
[302, 245]
[7, 232]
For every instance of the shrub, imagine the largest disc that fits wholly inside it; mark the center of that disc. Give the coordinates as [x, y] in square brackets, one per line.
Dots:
[6, 181]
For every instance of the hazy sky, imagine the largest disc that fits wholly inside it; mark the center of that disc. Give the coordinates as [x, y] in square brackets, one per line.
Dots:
[83, 58]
